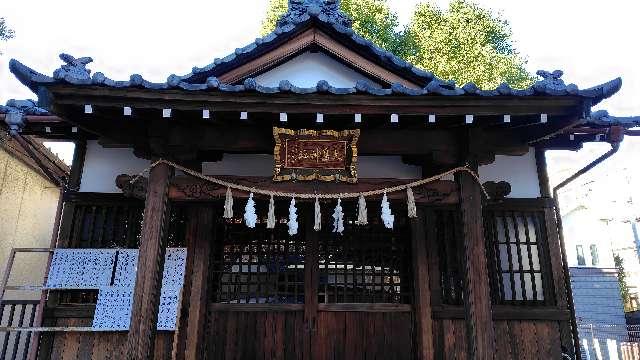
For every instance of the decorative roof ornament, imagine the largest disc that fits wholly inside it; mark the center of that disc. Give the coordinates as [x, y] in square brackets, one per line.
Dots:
[552, 83]
[27, 107]
[326, 10]
[74, 68]
[602, 117]
[15, 111]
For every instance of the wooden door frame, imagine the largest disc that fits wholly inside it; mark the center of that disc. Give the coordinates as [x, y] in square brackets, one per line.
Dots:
[190, 334]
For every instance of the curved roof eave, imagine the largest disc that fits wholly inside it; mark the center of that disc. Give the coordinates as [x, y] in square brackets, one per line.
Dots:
[74, 72]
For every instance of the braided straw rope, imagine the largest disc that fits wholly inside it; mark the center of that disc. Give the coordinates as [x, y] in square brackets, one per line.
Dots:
[348, 195]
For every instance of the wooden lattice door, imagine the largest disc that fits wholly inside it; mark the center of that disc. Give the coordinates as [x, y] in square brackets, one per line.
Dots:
[312, 295]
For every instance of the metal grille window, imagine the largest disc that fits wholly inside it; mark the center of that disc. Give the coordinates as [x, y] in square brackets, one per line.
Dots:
[257, 266]
[515, 241]
[367, 264]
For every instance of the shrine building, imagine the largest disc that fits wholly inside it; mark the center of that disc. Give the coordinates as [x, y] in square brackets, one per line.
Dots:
[309, 196]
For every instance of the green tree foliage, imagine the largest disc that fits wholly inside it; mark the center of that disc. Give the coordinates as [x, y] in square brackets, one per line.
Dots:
[622, 281]
[5, 32]
[465, 43]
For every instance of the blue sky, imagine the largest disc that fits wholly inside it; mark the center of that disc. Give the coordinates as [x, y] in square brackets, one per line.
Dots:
[592, 41]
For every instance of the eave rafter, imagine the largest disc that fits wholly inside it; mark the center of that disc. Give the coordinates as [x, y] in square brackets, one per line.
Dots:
[323, 103]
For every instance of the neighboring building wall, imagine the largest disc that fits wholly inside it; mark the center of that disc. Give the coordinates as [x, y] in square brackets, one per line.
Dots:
[307, 69]
[582, 231]
[28, 205]
[598, 306]
[519, 171]
[596, 296]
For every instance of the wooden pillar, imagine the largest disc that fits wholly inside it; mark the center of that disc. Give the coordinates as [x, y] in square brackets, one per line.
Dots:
[189, 336]
[146, 297]
[558, 272]
[310, 285]
[477, 299]
[543, 175]
[422, 294]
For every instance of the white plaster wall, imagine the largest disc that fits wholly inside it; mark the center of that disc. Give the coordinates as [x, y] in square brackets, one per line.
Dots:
[307, 69]
[102, 165]
[262, 165]
[519, 171]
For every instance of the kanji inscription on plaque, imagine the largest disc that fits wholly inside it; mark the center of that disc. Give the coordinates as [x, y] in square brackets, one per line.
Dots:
[325, 155]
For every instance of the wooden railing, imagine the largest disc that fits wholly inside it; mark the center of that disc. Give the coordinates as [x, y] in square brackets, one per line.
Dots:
[16, 314]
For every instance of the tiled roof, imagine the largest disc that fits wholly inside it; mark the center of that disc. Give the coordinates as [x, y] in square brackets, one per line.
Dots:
[551, 84]
[26, 107]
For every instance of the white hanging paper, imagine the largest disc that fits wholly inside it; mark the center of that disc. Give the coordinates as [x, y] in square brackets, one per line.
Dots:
[317, 225]
[113, 309]
[228, 205]
[271, 216]
[250, 217]
[387, 217]
[362, 211]
[80, 268]
[412, 212]
[293, 218]
[338, 219]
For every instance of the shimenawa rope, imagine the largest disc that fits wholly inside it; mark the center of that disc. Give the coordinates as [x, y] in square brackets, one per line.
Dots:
[348, 195]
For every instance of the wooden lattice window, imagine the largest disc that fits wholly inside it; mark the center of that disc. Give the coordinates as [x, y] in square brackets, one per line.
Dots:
[258, 265]
[115, 224]
[367, 264]
[516, 246]
[108, 222]
[447, 237]
[105, 225]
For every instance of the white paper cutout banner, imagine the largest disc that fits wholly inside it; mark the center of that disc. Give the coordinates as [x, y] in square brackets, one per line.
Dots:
[93, 269]
[80, 268]
[113, 310]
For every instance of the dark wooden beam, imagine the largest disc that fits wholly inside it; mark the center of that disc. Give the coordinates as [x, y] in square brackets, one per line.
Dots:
[422, 294]
[188, 188]
[189, 337]
[146, 300]
[477, 297]
[310, 103]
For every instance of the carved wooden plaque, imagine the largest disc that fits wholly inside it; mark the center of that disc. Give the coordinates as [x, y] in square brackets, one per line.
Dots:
[325, 155]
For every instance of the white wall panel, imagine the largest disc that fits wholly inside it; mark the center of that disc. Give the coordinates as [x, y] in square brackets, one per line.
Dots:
[519, 171]
[307, 69]
[102, 165]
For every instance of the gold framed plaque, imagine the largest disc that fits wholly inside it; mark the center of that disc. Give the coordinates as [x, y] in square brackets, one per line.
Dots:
[325, 155]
